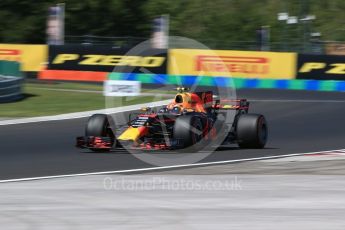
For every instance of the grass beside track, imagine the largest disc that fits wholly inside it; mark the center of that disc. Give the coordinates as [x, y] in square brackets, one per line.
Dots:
[59, 98]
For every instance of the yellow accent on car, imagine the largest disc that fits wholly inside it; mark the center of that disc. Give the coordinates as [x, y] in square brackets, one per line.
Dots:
[131, 134]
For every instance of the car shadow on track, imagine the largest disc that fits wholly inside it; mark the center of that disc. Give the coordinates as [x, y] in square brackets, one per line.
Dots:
[169, 152]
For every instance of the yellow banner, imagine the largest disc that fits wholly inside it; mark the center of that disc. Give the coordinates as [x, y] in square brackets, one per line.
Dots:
[237, 64]
[31, 57]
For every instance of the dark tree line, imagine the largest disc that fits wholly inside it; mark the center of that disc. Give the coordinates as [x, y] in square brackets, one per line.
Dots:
[24, 21]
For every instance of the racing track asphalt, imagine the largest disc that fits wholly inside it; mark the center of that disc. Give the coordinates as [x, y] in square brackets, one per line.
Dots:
[299, 121]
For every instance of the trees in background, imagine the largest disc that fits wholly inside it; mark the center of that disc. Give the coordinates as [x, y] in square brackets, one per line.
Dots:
[24, 21]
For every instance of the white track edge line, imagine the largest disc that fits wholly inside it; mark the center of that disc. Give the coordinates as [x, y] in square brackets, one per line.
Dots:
[164, 167]
[76, 115]
[69, 116]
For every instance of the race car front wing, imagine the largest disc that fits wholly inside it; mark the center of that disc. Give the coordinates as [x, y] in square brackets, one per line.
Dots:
[101, 143]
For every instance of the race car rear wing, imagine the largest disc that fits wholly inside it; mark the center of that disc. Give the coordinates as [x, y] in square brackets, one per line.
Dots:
[239, 104]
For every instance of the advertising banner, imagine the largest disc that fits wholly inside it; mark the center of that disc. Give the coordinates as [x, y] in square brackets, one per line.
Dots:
[321, 67]
[239, 64]
[106, 59]
[31, 57]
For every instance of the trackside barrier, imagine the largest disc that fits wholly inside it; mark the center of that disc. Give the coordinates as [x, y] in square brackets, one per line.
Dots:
[10, 68]
[238, 83]
[10, 85]
[228, 68]
[10, 88]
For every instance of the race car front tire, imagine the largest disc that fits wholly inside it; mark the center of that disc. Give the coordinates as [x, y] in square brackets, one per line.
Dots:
[188, 130]
[98, 126]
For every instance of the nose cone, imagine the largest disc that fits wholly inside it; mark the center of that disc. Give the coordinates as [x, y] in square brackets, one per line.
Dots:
[133, 134]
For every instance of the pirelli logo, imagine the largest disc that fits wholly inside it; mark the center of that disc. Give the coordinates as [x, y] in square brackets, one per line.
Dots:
[232, 64]
[10, 55]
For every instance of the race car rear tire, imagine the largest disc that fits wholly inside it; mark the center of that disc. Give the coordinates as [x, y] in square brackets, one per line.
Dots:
[188, 130]
[251, 131]
[98, 126]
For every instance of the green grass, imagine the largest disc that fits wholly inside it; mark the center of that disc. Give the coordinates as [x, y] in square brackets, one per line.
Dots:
[66, 85]
[85, 86]
[41, 100]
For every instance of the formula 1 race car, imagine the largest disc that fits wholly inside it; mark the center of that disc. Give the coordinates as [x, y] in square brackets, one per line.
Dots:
[191, 120]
